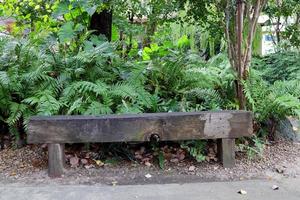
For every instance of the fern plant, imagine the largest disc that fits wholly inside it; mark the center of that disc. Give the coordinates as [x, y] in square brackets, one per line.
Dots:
[284, 66]
[272, 101]
[48, 78]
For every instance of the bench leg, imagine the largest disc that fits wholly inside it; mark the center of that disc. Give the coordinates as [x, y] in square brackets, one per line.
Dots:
[56, 160]
[226, 152]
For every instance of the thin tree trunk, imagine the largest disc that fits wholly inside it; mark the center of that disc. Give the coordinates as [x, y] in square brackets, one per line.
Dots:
[240, 64]
[150, 30]
[129, 46]
[277, 30]
[240, 49]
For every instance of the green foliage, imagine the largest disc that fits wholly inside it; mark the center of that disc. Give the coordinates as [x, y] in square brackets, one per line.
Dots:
[279, 66]
[195, 148]
[273, 89]
[161, 160]
[285, 16]
[269, 101]
[256, 148]
[55, 76]
[60, 68]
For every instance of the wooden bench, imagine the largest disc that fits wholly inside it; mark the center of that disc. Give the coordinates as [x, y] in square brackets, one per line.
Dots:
[58, 130]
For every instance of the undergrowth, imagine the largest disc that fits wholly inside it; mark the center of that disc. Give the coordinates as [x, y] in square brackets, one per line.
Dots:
[89, 77]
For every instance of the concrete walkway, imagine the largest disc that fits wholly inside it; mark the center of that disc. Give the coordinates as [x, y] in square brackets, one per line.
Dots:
[256, 190]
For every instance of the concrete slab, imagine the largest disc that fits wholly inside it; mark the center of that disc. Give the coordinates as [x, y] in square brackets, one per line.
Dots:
[289, 189]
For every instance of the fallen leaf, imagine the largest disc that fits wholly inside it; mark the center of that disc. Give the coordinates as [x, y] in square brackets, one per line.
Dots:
[192, 168]
[114, 183]
[148, 175]
[174, 160]
[84, 161]
[148, 164]
[88, 166]
[68, 156]
[87, 155]
[242, 192]
[168, 156]
[134, 165]
[13, 173]
[275, 187]
[138, 156]
[74, 161]
[181, 156]
[99, 163]
[145, 160]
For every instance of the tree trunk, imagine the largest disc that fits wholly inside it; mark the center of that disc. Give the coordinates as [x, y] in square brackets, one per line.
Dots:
[277, 30]
[240, 42]
[240, 64]
[102, 23]
[129, 46]
[150, 30]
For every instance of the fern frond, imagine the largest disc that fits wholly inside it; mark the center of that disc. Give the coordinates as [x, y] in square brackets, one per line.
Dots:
[84, 87]
[66, 32]
[126, 107]
[45, 103]
[4, 79]
[123, 90]
[96, 108]
[75, 106]
[15, 113]
[210, 97]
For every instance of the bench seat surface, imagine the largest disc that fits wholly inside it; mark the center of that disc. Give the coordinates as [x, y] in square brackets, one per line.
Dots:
[140, 127]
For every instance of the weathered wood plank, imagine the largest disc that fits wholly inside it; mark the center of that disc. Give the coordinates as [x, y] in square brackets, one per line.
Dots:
[120, 128]
[56, 160]
[226, 151]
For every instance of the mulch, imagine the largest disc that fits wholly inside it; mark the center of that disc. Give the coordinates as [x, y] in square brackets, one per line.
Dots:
[29, 165]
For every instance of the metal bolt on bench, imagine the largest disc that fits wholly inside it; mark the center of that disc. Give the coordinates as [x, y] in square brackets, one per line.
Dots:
[58, 130]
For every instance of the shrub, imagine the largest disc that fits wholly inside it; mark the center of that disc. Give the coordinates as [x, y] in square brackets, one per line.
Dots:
[284, 66]
[272, 101]
[47, 77]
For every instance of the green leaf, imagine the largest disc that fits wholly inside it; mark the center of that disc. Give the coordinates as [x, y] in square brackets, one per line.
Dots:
[183, 42]
[77, 104]
[91, 9]
[79, 27]
[97, 108]
[154, 47]
[114, 33]
[16, 112]
[61, 9]
[66, 33]
[4, 79]
[161, 160]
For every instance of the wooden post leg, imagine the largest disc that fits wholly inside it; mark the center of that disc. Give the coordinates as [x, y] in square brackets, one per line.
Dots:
[56, 160]
[226, 152]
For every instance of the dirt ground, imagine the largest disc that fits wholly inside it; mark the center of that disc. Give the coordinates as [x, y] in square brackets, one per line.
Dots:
[28, 165]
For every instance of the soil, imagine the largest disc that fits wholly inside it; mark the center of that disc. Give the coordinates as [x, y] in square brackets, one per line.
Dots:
[28, 165]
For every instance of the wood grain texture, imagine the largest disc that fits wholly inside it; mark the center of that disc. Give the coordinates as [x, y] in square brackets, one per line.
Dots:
[226, 151]
[56, 160]
[140, 127]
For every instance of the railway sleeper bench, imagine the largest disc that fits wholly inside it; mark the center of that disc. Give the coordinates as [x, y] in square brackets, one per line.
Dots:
[225, 126]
